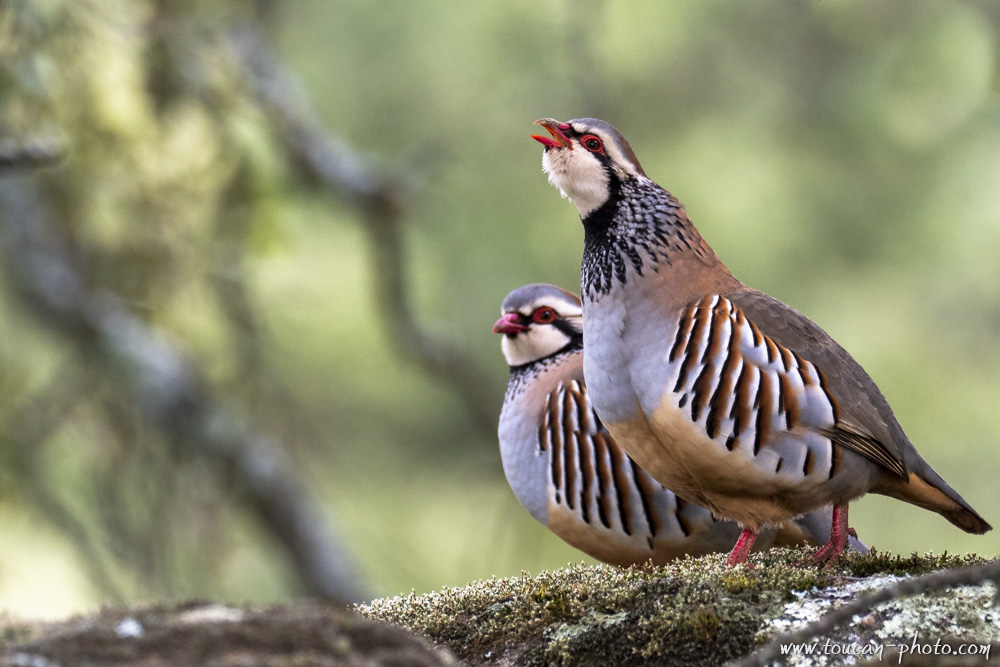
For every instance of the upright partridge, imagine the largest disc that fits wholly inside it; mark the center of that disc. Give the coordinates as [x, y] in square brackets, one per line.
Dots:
[566, 469]
[728, 397]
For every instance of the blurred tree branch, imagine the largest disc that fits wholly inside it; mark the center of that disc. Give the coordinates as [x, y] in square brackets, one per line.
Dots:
[329, 163]
[26, 430]
[101, 293]
[28, 153]
[164, 386]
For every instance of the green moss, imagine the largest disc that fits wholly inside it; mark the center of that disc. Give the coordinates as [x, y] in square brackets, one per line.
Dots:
[739, 581]
[878, 562]
[691, 612]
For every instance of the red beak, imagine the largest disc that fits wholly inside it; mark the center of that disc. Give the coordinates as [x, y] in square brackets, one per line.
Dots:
[509, 324]
[555, 128]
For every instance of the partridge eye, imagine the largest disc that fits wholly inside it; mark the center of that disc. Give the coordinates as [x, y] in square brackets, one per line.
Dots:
[544, 316]
[592, 143]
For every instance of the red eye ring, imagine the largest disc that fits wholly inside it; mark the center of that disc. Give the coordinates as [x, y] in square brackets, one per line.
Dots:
[592, 143]
[544, 315]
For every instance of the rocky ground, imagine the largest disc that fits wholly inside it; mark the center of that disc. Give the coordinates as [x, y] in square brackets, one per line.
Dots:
[304, 634]
[692, 612]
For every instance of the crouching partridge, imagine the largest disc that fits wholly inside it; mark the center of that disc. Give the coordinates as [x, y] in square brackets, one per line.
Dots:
[566, 469]
[726, 396]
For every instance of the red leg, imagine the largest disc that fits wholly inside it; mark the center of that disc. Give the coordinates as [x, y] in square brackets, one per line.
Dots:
[742, 549]
[839, 531]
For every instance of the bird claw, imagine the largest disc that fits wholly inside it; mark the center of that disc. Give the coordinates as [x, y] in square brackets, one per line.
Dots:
[829, 553]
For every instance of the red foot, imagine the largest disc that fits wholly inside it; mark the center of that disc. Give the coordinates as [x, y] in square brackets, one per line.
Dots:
[742, 549]
[830, 552]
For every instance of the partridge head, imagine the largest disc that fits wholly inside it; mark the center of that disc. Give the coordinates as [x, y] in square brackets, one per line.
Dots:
[568, 471]
[730, 398]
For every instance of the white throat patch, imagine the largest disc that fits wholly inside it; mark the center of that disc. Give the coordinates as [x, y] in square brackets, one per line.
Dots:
[579, 176]
[539, 341]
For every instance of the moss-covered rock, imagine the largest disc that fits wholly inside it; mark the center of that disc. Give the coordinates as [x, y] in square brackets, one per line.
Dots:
[691, 612]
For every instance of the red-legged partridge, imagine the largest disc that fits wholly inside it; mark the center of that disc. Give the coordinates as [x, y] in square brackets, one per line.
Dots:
[567, 470]
[730, 398]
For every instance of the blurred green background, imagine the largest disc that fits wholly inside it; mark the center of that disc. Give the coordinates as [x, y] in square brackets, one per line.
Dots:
[841, 155]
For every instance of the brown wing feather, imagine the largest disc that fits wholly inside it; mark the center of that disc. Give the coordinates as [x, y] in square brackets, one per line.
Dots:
[851, 437]
[865, 423]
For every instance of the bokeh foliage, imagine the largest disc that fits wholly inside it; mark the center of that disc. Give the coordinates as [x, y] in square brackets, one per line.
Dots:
[843, 156]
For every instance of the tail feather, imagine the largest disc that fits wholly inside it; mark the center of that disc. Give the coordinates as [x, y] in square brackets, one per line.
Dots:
[926, 489]
[968, 520]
